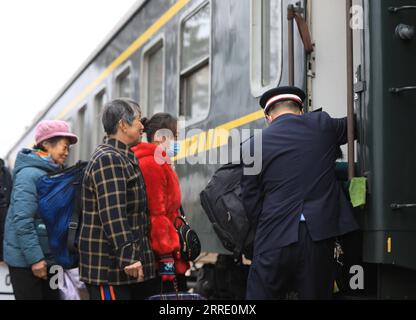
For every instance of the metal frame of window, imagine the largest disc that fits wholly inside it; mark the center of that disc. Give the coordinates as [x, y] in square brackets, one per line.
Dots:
[197, 65]
[155, 45]
[256, 55]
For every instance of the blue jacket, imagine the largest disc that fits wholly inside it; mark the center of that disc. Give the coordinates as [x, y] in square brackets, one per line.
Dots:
[298, 176]
[25, 236]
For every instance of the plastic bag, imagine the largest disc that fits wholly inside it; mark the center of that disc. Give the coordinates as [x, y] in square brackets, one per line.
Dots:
[72, 288]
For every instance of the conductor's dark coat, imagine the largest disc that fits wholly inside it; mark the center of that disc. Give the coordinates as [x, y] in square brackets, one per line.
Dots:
[298, 176]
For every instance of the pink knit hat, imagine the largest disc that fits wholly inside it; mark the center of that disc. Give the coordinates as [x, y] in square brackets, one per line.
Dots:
[47, 129]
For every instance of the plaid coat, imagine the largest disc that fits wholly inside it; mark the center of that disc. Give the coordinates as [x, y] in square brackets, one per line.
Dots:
[115, 222]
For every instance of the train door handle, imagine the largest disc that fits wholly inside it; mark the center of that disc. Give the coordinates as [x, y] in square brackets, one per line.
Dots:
[403, 89]
[396, 206]
[397, 9]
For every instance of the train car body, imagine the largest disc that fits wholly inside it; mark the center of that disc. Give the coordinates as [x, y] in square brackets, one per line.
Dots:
[209, 61]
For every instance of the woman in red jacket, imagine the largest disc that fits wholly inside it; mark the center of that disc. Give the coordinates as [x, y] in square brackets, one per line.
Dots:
[163, 194]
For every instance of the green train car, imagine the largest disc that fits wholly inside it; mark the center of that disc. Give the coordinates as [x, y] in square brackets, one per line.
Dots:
[209, 61]
[387, 148]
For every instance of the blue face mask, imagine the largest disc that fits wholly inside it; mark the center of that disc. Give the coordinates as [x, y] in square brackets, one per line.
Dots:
[174, 149]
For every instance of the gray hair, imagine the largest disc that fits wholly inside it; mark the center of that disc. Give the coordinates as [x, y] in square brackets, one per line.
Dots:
[119, 109]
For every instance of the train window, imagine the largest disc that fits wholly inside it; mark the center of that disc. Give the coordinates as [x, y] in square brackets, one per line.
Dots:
[82, 148]
[99, 101]
[266, 44]
[123, 84]
[195, 89]
[195, 67]
[153, 79]
[72, 154]
[195, 37]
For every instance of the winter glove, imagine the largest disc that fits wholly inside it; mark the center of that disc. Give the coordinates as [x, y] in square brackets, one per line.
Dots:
[167, 268]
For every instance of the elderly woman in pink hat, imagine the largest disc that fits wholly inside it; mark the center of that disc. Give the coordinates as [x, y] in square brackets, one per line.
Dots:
[26, 249]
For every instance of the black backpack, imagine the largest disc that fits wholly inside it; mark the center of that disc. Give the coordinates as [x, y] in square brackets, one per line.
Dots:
[5, 193]
[221, 200]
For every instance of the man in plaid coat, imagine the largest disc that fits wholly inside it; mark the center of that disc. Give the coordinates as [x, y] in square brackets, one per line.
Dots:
[116, 261]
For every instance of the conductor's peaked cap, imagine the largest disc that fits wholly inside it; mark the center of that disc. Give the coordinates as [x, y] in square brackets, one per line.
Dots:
[282, 94]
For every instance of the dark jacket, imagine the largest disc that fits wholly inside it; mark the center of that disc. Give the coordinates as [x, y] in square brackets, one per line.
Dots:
[298, 176]
[115, 220]
[5, 193]
[25, 236]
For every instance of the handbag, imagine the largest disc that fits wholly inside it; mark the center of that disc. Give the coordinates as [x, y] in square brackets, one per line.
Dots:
[190, 243]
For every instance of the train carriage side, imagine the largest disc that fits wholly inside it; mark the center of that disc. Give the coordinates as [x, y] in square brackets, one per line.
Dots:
[179, 50]
[384, 48]
[388, 147]
[247, 53]
[208, 61]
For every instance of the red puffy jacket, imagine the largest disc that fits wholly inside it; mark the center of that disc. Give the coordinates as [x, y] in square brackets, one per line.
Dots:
[164, 200]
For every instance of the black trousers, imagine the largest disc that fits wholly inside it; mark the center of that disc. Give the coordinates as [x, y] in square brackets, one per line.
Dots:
[169, 287]
[3, 211]
[306, 268]
[139, 291]
[28, 287]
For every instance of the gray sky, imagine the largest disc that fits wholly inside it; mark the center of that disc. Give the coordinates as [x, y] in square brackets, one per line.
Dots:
[43, 42]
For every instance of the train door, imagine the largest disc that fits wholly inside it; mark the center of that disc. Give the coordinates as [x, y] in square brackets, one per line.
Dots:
[327, 70]
[327, 87]
[384, 51]
[327, 65]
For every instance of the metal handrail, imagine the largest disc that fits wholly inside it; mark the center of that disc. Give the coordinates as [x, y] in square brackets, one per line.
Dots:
[403, 89]
[397, 9]
[350, 93]
[293, 14]
[396, 206]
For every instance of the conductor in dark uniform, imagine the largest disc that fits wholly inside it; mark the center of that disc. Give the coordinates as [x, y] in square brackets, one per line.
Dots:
[296, 203]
